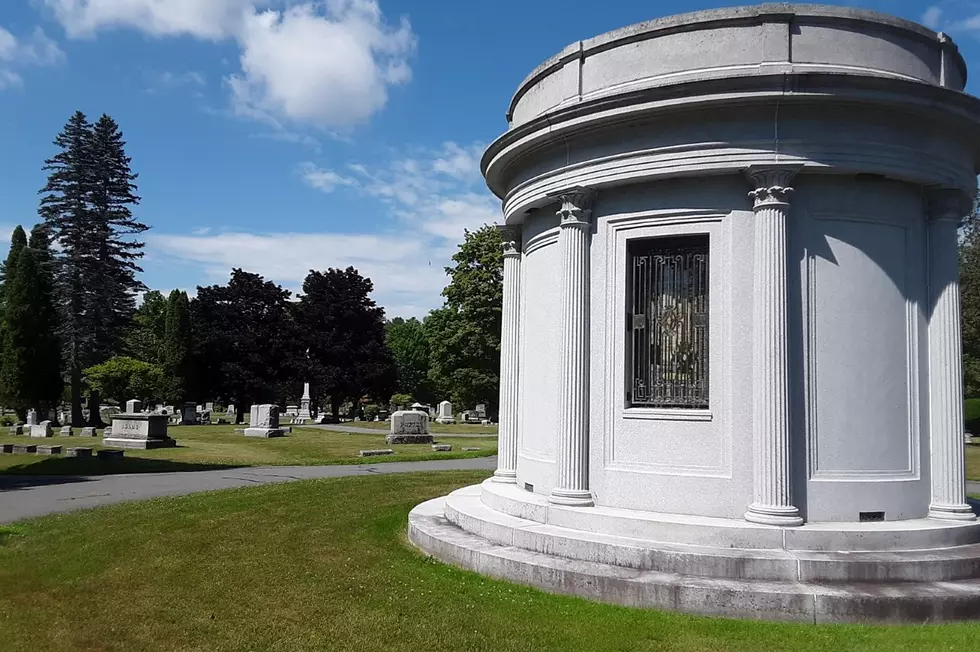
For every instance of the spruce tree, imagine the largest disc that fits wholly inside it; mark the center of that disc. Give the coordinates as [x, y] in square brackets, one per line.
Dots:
[18, 241]
[65, 209]
[177, 347]
[30, 367]
[111, 237]
[87, 206]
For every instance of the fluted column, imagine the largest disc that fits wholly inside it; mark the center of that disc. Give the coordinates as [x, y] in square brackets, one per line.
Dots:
[946, 209]
[572, 487]
[509, 357]
[772, 496]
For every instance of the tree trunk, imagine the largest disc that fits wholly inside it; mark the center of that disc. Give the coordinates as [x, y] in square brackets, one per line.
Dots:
[95, 415]
[77, 417]
[335, 408]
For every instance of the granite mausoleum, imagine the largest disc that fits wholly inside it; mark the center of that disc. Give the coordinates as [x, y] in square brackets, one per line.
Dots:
[731, 358]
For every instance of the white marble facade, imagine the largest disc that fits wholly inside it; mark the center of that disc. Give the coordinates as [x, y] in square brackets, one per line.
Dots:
[821, 159]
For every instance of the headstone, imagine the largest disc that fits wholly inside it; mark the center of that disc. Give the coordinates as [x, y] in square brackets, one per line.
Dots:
[409, 427]
[442, 448]
[470, 416]
[481, 410]
[17, 430]
[138, 431]
[6, 448]
[48, 450]
[209, 406]
[291, 411]
[231, 409]
[79, 451]
[445, 413]
[87, 432]
[24, 449]
[170, 410]
[32, 417]
[134, 406]
[107, 432]
[264, 422]
[470, 449]
[188, 414]
[304, 403]
[374, 453]
[108, 454]
[42, 429]
[66, 431]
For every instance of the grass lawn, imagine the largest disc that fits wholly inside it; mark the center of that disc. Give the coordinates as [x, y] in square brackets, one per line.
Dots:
[204, 447]
[324, 565]
[435, 428]
[973, 462]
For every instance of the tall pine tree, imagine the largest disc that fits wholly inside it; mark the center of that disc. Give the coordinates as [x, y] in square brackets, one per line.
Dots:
[86, 204]
[30, 367]
[177, 342]
[18, 241]
[111, 237]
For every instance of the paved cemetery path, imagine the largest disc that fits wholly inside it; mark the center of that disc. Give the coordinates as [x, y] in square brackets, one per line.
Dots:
[23, 496]
[377, 431]
[973, 488]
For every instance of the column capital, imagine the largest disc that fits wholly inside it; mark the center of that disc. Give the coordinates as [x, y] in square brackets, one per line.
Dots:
[576, 206]
[771, 184]
[510, 239]
[948, 205]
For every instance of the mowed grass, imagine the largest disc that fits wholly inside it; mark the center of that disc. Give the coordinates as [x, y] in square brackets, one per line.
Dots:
[324, 565]
[435, 428]
[211, 447]
[973, 462]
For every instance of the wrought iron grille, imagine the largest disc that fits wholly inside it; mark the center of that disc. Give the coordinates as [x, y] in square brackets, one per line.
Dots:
[668, 355]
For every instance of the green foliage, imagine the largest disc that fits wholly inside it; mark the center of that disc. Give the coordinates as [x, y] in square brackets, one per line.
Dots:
[177, 344]
[123, 378]
[144, 340]
[18, 240]
[30, 371]
[410, 350]
[970, 303]
[971, 414]
[344, 333]
[245, 346]
[402, 400]
[464, 335]
[371, 410]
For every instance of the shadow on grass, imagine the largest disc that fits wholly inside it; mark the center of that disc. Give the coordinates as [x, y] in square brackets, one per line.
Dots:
[61, 470]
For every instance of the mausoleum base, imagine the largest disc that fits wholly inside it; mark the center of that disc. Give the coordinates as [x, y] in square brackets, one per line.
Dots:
[889, 572]
[138, 444]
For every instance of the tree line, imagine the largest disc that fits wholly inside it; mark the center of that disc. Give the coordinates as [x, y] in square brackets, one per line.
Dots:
[70, 327]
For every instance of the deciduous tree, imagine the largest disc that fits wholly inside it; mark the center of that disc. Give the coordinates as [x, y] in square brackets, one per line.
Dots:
[344, 332]
[464, 335]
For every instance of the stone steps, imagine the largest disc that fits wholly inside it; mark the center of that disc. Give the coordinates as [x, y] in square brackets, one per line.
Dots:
[919, 534]
[800, 601]
[465, 509]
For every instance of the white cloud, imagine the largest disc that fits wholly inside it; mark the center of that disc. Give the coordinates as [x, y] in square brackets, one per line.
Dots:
[209, 19]
[932, 16]
[430, 197]
[307, 67]
[36, 50]
[406, 279]
[326, 63]
[323, 179]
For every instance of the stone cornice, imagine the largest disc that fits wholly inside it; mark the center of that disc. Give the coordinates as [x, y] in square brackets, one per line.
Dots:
[930, 103]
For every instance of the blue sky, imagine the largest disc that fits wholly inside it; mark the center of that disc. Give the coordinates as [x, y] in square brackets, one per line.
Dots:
[284, 135]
